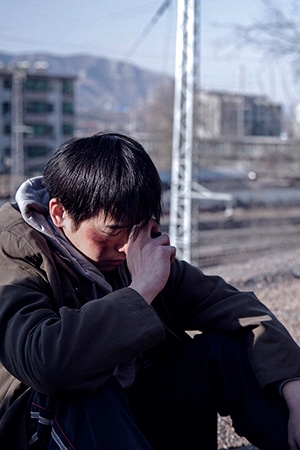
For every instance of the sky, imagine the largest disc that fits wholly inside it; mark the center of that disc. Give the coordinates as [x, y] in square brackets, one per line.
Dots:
[134, 31]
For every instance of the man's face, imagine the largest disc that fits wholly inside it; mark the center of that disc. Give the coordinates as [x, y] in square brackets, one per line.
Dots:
[100, 239]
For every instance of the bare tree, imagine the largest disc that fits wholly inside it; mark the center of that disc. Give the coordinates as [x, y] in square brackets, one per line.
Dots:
[277, 33]
[155, 117]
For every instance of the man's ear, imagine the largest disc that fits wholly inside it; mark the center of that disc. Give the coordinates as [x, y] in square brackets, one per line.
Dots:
[57, 212]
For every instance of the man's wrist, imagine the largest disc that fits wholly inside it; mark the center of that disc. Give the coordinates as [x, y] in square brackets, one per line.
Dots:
[291, 391]
[143, 290]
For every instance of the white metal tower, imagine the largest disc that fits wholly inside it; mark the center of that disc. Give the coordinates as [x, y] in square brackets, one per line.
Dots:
[183, 216]
[182, 151]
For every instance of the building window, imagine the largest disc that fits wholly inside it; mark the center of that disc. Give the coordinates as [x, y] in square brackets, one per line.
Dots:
[68, 108]
[38, 107]
[6, 107]
[7, 83]
[68, 129]
[37, 84]
[67, 86]
[37, 151]
[6, 129]
[42, 130]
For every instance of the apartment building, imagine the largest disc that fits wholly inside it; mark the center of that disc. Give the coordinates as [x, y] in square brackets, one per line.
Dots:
[226, 115]
[36, 115]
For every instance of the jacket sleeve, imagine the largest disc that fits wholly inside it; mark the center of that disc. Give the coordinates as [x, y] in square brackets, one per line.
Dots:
[65, 349]
[208, 303]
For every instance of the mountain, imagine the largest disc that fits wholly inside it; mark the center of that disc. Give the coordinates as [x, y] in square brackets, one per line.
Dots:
[102, 84]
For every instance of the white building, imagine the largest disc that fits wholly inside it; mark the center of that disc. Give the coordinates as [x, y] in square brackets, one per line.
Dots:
[36, 116]
[227, 115]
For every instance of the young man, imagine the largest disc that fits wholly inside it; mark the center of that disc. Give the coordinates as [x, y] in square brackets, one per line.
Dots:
[94, 309]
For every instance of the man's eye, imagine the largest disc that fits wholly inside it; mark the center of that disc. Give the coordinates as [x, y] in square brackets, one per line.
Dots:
[113, 232]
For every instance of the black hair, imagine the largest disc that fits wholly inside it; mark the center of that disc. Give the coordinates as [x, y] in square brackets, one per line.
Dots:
[106, 172]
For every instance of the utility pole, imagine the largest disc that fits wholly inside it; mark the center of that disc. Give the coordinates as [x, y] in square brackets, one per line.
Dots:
[182, 150]
[183, 229]
[18, 128]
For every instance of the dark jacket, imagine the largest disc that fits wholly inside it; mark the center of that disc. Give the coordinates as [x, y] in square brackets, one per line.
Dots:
[60, 333]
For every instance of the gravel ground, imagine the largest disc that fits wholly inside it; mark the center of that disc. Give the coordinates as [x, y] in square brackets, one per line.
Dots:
[275, 279]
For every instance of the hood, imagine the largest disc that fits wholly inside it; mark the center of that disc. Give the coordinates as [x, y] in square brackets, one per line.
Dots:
[33, 201]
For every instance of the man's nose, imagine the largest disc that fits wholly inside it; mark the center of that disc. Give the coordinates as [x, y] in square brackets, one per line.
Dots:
[121, 247]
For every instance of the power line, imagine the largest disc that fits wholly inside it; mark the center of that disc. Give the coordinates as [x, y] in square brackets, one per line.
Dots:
[148, 27]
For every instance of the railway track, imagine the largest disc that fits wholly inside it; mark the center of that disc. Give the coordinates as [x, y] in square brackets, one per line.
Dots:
[224, 240]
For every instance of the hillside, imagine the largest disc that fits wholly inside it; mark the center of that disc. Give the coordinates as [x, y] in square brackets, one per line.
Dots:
[102, 84]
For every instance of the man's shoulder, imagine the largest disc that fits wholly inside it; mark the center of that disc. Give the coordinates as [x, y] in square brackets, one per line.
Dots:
[11, 221]
[9, 215]
[17, 237]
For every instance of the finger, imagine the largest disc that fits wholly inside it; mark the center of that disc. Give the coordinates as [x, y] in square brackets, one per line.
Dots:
[173, 255]
[140, 230]
[163, 239]
[154, 229]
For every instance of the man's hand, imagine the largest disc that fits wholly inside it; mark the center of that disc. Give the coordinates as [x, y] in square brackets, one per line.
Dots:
[149, 260]
[291, 394]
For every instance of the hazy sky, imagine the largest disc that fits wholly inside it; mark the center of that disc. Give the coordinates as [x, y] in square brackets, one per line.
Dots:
[113, 28]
